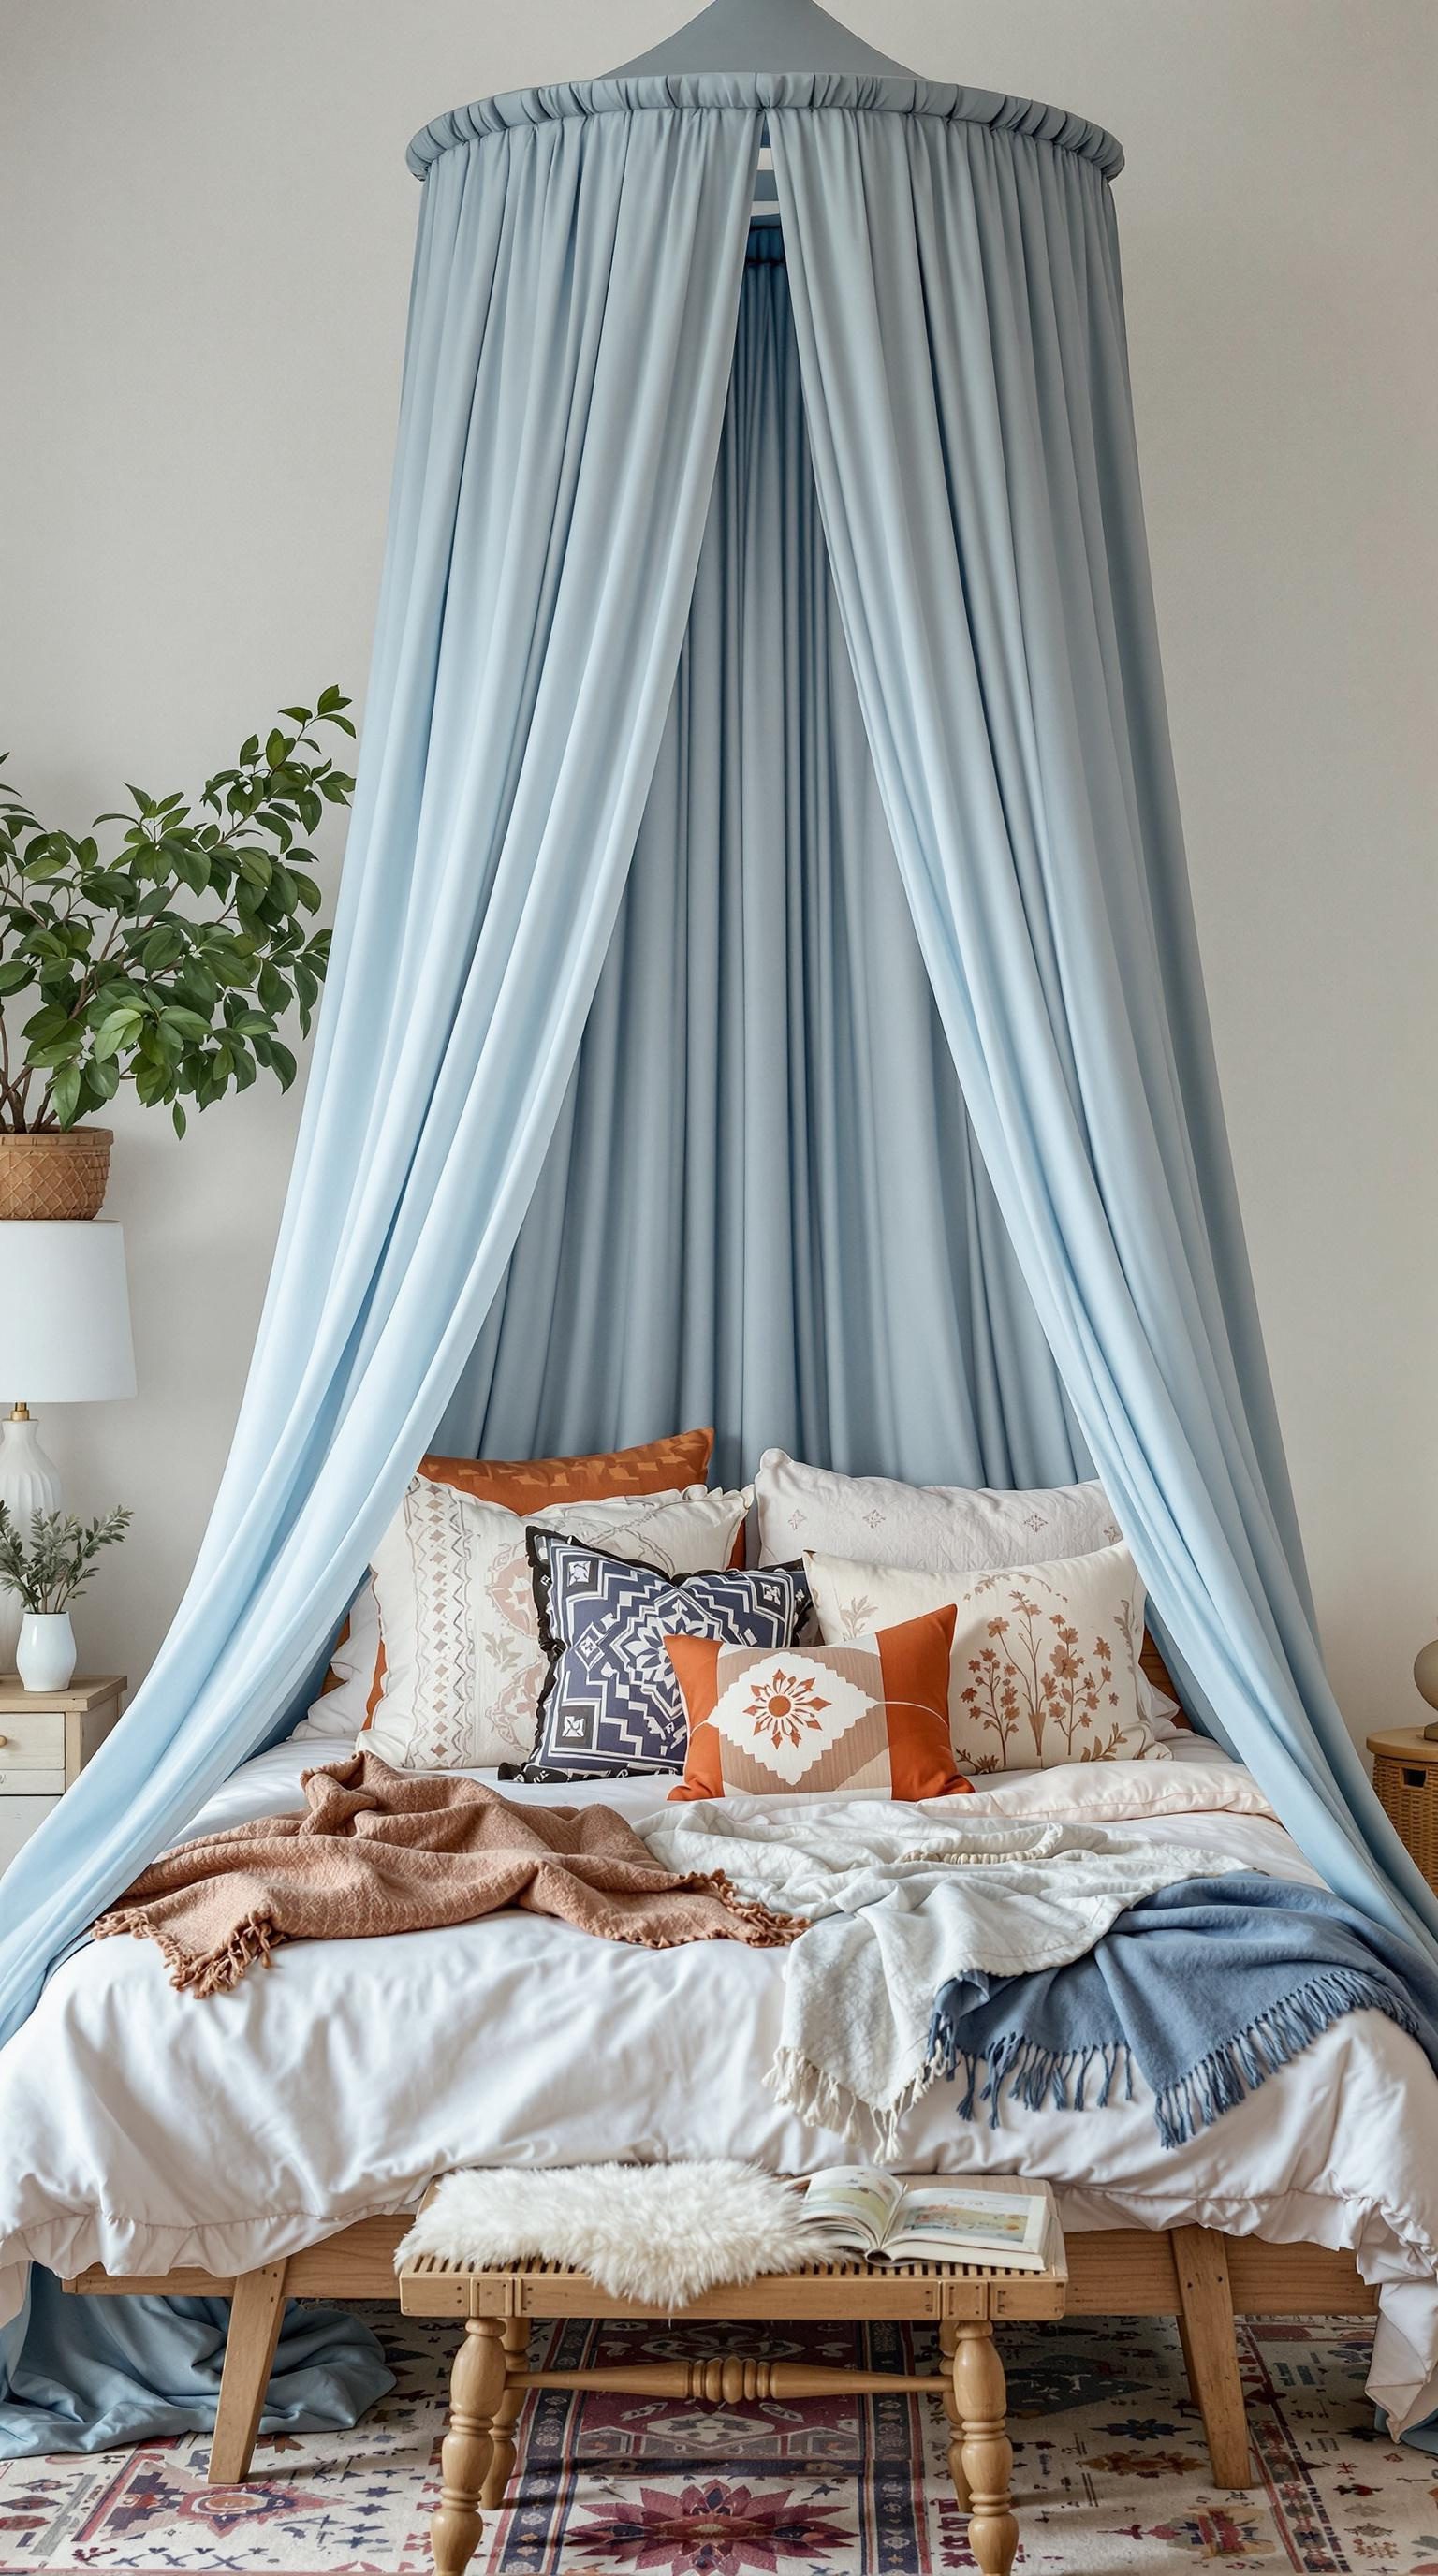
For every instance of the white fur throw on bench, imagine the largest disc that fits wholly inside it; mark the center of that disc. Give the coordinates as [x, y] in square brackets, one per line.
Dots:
[658, 2233]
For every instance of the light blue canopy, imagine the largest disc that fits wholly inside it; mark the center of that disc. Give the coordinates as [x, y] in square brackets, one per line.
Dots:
[880, 1112]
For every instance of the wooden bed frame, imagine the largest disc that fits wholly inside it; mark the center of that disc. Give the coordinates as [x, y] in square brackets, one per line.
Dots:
[1191, 2273]
[1202, 2278]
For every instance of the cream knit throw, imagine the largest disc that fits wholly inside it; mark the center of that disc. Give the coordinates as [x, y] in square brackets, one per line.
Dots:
[898, 1899]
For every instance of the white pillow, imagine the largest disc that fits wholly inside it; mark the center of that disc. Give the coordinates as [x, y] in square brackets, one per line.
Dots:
[951, 1529]
[343, 1711]
[463, 1664]
[1044, 1667]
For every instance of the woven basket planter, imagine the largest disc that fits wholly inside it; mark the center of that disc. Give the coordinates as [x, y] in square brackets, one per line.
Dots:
[55, 1175]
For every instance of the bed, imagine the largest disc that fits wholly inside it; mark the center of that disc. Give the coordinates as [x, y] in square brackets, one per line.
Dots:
[272, 2142]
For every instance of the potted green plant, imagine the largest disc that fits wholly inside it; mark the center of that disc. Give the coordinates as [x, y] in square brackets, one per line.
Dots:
[169, 962]
[49, 1571]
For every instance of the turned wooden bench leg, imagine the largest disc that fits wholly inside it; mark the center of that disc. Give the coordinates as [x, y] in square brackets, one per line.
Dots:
[257, 2308]
[1205, 2327]
[987, 2458]
[948, 2339]
[501, 2460]
[476, 2393]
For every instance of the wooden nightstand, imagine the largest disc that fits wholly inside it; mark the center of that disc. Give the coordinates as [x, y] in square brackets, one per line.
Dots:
[46, 1738]
[1405, 1775]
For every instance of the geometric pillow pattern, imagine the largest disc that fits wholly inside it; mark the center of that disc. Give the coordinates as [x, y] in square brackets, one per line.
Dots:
[610, 1705]
[868, 1719]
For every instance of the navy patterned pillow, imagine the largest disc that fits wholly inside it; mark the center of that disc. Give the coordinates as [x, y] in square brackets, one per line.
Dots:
[610, 1704]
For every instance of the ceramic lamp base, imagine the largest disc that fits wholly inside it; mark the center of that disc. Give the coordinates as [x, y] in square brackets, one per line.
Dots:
[29, 1483]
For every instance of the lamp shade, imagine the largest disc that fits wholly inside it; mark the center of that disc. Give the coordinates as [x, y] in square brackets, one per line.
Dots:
[64, 1313]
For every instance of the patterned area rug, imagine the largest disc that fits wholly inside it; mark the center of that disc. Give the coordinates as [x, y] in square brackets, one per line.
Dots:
[1110, 2472]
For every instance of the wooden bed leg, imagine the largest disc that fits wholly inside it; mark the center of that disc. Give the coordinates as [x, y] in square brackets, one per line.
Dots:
[948, 2340]
[1209, 2349]
[501, 2458]
[476, 2392]
[257, 2307]
[988, 2458]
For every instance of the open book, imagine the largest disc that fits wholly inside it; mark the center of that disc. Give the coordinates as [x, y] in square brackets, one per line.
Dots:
[865, 2211]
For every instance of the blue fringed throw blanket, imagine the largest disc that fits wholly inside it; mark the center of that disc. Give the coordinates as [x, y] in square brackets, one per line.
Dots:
[1207, 1988]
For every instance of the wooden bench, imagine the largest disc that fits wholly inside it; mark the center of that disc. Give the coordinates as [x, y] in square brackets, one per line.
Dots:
[491, 2373]
[1191, 2273]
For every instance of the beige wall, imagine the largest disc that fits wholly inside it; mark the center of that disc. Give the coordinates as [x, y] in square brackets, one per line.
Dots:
[205, 230]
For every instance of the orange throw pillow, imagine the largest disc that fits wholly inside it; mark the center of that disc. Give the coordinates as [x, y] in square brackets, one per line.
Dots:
[869, 1719]
[526, 1485]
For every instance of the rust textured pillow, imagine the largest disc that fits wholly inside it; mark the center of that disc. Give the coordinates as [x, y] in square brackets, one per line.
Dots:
[865, 1720]
[526, 1485]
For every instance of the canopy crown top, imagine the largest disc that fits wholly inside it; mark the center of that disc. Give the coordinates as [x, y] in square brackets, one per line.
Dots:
[765, 53]
[764, 36]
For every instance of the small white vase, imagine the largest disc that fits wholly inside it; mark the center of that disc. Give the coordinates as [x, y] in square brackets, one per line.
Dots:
[45, 1655]
[28, 1484]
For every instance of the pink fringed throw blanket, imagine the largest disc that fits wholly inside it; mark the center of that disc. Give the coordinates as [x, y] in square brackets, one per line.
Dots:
[379, 1851]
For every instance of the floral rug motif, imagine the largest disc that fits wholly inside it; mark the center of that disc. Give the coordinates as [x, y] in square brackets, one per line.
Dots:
[1110, 2473]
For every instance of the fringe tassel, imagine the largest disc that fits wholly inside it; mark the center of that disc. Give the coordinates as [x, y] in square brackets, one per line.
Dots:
[772, 1931]
[213, 1972]
[1222, 2079]
[1037, 2078]
[822, 2102]
[1040, 2078]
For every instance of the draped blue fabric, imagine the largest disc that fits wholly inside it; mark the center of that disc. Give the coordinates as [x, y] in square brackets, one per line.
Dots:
[960, 331]
[762, 1207]
[91, 2374]
[759, 1193]
[572, 323]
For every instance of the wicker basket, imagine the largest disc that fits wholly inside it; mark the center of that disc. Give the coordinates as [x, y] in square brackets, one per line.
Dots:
[1406, 1779]
[55, 1175]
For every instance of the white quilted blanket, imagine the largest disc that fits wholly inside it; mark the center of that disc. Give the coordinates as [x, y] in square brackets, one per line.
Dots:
[899, 1898]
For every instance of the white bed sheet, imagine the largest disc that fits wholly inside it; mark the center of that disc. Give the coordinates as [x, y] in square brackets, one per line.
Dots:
[141, 2129]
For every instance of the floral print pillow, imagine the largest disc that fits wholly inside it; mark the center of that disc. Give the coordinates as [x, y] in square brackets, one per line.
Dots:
[1044, 1667]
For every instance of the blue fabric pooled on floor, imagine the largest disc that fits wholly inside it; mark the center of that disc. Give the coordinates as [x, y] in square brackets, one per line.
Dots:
[97, 2374]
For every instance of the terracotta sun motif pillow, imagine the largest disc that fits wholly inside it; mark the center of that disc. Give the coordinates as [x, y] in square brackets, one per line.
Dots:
[1044, 1664]
[868, 1719]
[674, 1464]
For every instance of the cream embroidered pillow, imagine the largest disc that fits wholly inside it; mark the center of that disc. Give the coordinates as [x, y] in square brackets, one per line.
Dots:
[1044, 1667]
[463, 1663]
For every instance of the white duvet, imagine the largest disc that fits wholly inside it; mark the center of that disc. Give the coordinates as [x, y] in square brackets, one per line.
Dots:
[142, 2129]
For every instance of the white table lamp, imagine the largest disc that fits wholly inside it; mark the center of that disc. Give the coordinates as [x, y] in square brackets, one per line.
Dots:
[64, 1339]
